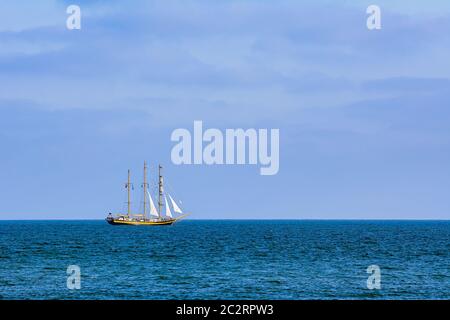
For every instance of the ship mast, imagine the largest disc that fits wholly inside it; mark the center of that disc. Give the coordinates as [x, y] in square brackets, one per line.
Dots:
[145, 185]
[128, 187]
[160, 188]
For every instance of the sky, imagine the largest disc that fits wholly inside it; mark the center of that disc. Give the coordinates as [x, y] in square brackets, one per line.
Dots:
[364, 115]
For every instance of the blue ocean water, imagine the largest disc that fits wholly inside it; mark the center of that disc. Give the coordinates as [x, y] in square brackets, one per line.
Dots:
[225, 260]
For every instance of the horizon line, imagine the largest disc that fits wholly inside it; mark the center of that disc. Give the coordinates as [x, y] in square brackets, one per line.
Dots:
[256, 219]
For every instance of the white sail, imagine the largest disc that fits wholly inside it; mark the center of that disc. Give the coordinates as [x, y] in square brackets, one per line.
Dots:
[168, 213]
[153, 210]
[175, 207]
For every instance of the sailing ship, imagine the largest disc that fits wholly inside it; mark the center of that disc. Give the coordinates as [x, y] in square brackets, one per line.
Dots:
[155, 216]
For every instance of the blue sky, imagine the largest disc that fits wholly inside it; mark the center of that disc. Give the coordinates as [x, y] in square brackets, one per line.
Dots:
[363, 115]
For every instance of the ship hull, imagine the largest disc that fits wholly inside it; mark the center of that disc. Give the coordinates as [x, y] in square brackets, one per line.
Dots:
[117, 222]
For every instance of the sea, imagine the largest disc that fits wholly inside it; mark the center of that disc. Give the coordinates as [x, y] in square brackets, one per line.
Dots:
[225, 259]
